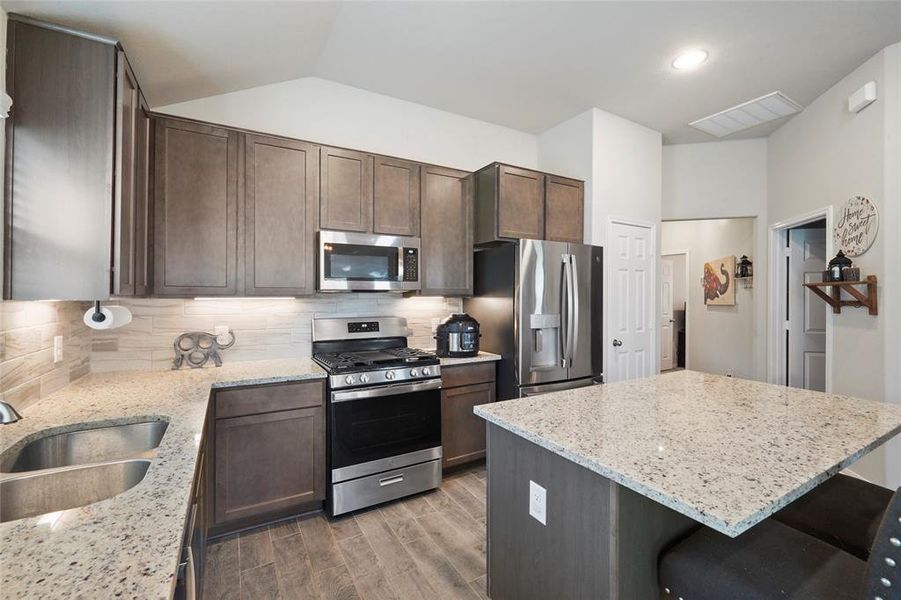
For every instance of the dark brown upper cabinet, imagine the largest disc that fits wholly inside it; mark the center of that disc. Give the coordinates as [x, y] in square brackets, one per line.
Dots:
[196, 209]
[564, 202]
[514, 203]
[60, 156]
[143, 230]
[345, 198]
[128, 107]
[281, 197]
[446, 247]
[395, 198]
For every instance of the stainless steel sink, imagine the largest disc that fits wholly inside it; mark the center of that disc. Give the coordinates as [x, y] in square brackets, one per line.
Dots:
[100, 444]
[35, 494]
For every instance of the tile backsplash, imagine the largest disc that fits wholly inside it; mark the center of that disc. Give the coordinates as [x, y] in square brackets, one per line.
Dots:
[27, 329]
[264, 328]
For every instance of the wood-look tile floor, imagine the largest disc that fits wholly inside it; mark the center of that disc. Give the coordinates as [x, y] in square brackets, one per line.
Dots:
[427, 546]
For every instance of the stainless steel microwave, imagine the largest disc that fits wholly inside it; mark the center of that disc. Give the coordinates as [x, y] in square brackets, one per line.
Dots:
[367, 262]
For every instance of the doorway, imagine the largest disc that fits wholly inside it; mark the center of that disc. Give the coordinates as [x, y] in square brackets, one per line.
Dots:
[801, 324]
[674, 310]
[630, 300]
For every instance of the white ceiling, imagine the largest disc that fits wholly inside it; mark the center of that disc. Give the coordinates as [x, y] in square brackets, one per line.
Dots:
[526, 65]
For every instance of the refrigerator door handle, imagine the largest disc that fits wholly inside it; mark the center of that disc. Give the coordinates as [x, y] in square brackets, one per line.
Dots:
[574, 317]
[564, 312]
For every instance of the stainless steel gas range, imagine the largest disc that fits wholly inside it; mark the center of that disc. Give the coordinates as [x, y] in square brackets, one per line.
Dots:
[384, 411]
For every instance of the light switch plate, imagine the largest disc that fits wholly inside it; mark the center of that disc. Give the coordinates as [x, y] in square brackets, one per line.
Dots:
[57, 349]
[537, 502]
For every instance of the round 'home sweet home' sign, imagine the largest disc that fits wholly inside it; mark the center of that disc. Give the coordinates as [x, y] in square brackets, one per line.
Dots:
[856, 226]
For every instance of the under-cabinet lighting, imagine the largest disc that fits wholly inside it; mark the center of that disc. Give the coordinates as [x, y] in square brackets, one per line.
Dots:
[243, 298]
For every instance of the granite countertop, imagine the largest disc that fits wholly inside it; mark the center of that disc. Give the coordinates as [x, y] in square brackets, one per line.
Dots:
[480, 357]
[726, 452]
[129, 545]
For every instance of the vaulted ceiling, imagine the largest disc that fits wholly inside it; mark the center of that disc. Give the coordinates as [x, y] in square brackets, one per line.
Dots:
[526, 65]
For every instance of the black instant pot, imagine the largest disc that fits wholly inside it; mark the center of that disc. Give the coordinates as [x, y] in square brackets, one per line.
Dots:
[458, 336]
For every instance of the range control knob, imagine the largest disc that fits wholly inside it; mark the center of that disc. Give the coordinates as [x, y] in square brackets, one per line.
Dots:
[389, 375]
[364, 378]
[414, 373]
[349, 380]
[426, 371]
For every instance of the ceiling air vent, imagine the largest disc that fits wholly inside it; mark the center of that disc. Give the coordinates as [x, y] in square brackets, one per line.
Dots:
[748, 114]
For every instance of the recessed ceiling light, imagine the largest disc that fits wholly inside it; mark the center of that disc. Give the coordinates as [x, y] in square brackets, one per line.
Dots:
[690, 59]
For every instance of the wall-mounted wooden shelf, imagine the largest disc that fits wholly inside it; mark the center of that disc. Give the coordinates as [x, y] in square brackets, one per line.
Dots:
[833, 298]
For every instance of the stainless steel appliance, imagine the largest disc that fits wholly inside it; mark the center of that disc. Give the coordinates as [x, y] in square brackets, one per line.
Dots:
[457, 336]
[539, 305]
[367, 262]
[384, 412]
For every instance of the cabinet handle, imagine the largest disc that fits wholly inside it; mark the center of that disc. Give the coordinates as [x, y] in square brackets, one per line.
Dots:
[391, 480]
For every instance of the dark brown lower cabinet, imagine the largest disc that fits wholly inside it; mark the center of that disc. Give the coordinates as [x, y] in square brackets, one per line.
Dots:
[462, 432]
[268, 464]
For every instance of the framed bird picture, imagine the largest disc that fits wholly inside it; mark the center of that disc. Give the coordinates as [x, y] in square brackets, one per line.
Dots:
[719, 282]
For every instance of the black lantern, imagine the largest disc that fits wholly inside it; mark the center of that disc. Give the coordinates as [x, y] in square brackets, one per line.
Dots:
[837, 264]
[745, 268]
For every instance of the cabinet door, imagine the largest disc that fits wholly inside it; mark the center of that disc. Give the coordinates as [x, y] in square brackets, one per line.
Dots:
[143, 205]
[395, 200]
[124, 217]
[564, 200]
[281, 197]
[60, 138]
[462, 432]
[446, 262]
[345, 200]
[196, 204]
[269, 462]
[520, 204]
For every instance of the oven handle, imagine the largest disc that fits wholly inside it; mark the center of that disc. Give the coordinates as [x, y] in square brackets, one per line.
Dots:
[391, 390]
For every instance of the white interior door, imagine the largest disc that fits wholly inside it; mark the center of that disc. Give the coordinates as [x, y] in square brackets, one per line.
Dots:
[667, 360]
[806, 318]
[631, 302]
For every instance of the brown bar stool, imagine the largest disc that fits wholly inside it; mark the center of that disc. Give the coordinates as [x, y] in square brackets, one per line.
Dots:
[772, 560]
[843, 511]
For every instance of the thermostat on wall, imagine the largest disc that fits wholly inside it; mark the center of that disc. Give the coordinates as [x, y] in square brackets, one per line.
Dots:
[862, 98]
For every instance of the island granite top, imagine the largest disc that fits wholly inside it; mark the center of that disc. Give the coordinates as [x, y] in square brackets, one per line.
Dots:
[726, 452]
[129, 545]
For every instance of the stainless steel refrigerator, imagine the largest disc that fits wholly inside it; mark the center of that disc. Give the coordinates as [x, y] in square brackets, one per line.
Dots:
[539, 305]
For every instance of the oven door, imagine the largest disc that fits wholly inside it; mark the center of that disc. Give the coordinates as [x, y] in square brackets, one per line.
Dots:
[355, 261]
[375, 429]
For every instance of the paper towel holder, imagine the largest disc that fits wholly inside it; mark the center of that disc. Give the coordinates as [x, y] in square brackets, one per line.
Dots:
[98, 316]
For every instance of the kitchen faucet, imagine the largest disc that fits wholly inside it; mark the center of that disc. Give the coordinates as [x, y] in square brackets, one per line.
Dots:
[8, 414]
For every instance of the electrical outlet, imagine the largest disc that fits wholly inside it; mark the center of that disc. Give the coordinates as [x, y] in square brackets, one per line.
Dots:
[537, 502]
[57, 349]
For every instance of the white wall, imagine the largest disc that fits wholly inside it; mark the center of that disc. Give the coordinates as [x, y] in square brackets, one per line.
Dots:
[724, 180]
[567, 149]
[619, 160]
[331, 113]
[626, 173]
[891, 277]
[714, 180]
[821, 158]
[720, 338]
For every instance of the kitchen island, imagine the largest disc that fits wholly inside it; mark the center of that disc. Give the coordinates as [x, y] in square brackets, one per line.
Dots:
[630, 467]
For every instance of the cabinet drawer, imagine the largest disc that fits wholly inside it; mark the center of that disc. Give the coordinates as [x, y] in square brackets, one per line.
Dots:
[268, 398]
[467, 374]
